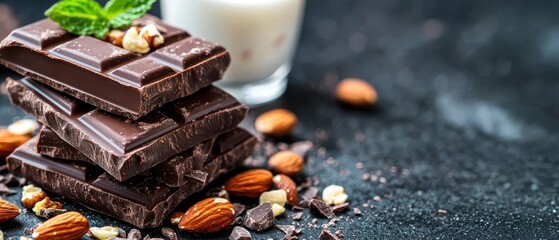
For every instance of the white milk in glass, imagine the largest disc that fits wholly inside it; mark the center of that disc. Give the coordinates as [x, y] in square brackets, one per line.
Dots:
[261, 36]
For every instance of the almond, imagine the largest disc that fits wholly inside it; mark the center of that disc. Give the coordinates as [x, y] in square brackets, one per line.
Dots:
[287, 162]
[250, 184]
[66, 226]
[282, 181]
[276, 123]
[356, 92]
[209, 215]
[8, 211]
[10, 141]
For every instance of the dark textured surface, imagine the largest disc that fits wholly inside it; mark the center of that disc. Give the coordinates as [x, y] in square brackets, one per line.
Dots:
[473, 115]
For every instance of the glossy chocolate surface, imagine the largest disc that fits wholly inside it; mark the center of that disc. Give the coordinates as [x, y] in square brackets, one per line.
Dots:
[110, 77]
[122, 147]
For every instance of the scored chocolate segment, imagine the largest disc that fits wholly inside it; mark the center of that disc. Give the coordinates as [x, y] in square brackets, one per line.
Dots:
[122, 147]
[142, 202]
[110, 77]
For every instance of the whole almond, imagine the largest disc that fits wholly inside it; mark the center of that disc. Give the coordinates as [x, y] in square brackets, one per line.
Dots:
[66, 226]
[276, 123]
[356, 92]
[287, 162]
[282, 181]
[250, 184]
[209, 215]
[10, 141]
[8, 211]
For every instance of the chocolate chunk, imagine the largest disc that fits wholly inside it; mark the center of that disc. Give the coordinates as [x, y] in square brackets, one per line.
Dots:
[50, 212]
[119, 146]
[4, 190]
[143, 202]
[340, 208]
[169, 233]
[239, 209]
[260, 217]
[320, 208]
[134, 234]
[240, 233]
[117, 81]
[290, 231]
[310, 193]
[327, 235]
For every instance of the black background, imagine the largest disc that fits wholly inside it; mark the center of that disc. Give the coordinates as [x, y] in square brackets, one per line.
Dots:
[468, 104]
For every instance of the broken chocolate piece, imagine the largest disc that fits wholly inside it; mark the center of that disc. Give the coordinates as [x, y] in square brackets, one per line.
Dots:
[340, 208]
[239, 209]
[327, 235]
[260, 217]
[320, 208]
[290, 231]
[112, 78]
[125, 148]
[310, 193]
[48, 213]
[240, 233]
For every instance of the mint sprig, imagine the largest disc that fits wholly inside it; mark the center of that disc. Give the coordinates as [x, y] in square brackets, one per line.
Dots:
[87, 17]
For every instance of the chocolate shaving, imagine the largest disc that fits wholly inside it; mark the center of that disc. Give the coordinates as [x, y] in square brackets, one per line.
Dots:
[169, 233]
[240, 233]
[48, 213]
[327, 235]
[260, 217]
[340, 208]
[320, 208]
[4, 190]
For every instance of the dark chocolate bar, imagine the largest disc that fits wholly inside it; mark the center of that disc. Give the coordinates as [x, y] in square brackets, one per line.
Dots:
[110, 77]
[173, 172]
[142, 202]
[122, 147]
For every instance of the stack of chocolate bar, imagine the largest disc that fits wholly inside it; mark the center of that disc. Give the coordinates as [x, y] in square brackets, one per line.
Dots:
[128, 135]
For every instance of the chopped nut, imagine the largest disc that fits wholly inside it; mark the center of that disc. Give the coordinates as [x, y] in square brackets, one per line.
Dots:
[176, 218]
[133, 42]
[277, 209]
[274, 197]
[103, 233]
[31, 195]
[23, 127]
[152, 36]
[115, 37]
[334, 195]
[46, 203]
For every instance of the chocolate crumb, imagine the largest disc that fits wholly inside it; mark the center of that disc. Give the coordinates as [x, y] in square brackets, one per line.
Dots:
[260, 217]
[340, 208]
[169, 233]
[238, 221]
[357, 212]
[339, 234]
[318, 206]
[239, 209]
[240, 233]
[134, 234]
[297, 216]
[442, 212]
[376, 198]
[29, 231]
[327, 235]
[48, 213]
[290, 231]
[365, 177]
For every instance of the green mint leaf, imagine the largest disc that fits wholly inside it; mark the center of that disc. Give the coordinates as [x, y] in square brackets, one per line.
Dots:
[121, 12]
[82, 17]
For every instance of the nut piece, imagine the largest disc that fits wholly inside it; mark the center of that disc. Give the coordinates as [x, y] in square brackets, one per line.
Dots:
[274, 197]
[356, 92]
[103, 233]
[23, 127]
[209, 215]
[176, 218]
[282, 181]
[334, 195]
[277, 209]
[152, 36]
[287, 162]
[31, 195]
[250, 184]
[8, 211]
[133, 42]
[9, 142]
[276, 123]
[46, 203]
[70, 225]
[115, 37]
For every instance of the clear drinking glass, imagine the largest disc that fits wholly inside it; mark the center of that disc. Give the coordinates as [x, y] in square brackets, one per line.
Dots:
[261, 36]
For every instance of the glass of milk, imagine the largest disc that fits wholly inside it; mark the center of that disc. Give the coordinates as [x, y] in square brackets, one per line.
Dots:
[261, 36]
